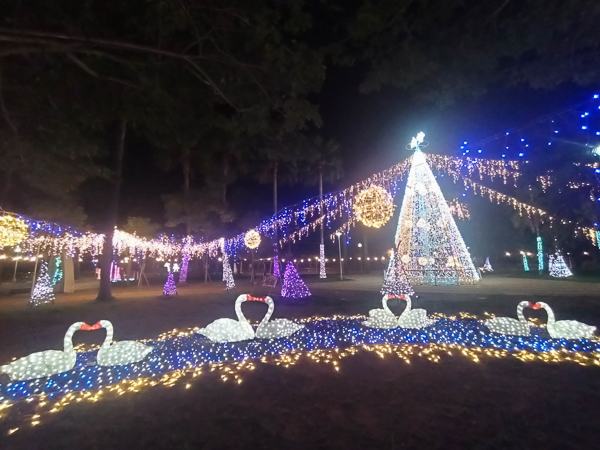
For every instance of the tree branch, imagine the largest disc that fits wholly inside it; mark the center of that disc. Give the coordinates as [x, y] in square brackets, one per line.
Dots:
[54, 39]
[87, 69]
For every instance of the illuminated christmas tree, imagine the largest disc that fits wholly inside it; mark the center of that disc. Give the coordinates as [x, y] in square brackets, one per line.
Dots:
[42, 291]
[428, 242]
[184, 268]
[396, 282]
[558, 267]
[227, 273]
[293, 286]
[170, 287]
[487, 267]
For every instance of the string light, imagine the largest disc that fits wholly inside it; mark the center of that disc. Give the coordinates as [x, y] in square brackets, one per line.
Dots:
[252, 239]
[42, 291]
[428, 241]
[13, 230]
[180, 357]
[373, 206]
[170, 288]
[322, 273]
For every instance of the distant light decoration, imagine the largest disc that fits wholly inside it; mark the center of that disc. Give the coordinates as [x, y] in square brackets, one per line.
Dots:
[525, 262]
[13, 230]
[184, 268]
[293, 286]
[115, 272]
[491, 168]
[427, 236]
[43, 291]
[170, 287]
[487, 266]
[558, 267]
[459, 210]
[540, 253]
[322, 272]
[229, 330]
[252, 239]
[396, 282]
[227, 273]
[180, 356]
[58, 270]
[373, 206]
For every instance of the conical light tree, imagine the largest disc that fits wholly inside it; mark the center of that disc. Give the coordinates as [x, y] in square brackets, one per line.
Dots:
[396, 282]
[488, 266]
[42, 291]
[558, 267]
[170, 287]
[293, 286]
[428, 242]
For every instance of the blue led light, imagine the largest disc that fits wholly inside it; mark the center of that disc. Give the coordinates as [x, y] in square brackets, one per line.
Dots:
[584, 127]
[521, 154]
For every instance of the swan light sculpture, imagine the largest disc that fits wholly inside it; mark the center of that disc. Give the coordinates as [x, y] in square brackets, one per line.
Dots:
[381, 318]
[275, 328]
[46, 363]
[413, 318]
[565, 329]
[119, 353]
[229, 330]
[509, 326]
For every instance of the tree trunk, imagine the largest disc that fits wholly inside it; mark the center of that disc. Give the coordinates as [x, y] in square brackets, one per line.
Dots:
[104, 293]
[275, 237]
[321, 198]
[186, 166]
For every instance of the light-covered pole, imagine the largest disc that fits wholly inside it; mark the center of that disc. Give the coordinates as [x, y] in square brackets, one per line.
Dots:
[339, 236]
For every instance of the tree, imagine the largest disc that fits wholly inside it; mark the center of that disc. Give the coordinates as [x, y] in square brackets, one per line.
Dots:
[142, 226]
[443, 50]
[117, 72]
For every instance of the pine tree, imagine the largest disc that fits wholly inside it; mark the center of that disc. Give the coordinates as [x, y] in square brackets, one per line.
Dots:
[42, 291]
[396, 282]
[293, 286]
[427, 239]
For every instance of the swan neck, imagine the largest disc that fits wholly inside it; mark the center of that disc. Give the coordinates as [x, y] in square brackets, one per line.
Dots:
[384, 302]
[238, 309]
[68, 341]
[520, 310]
[551, 318]
[109, 335]
[268, 315]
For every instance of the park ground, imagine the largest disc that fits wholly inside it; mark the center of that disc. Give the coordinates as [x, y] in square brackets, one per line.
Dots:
[370, 403]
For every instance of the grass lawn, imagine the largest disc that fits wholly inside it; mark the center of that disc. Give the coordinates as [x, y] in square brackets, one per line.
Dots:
[370, 403]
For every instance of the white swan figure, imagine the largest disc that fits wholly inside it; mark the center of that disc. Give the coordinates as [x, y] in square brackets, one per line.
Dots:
[276, 328]
[229, 330]
[509, 326]
[381, 318]
[119, 353]
[415, 318]
[49, 362]
[565, 329]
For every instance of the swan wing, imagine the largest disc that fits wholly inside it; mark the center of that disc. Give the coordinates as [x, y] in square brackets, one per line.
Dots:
[40, 364]
[379, 318]
[277, 328]
[415, 318]
[122, 353]
[227, 330]
[571, 329]
[508, 326]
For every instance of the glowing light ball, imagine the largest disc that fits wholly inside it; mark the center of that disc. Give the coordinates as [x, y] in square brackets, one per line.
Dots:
[252, 239]
[12, 230]
[374, 206]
